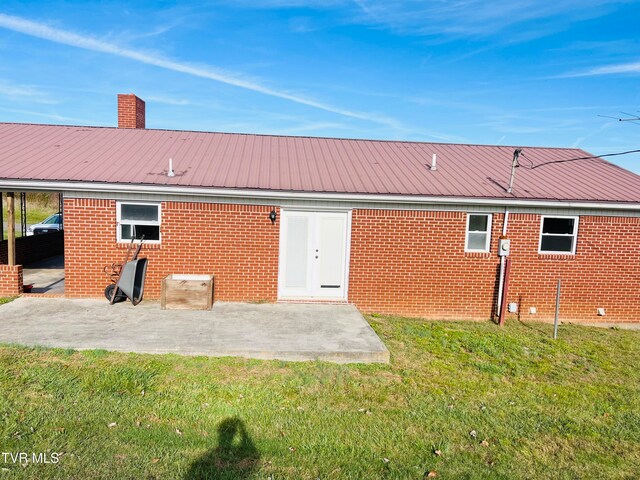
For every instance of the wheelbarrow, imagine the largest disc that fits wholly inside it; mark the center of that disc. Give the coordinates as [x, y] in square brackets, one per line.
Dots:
[127, 279]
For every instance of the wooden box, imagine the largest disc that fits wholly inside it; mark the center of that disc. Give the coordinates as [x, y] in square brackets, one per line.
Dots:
[187, 292]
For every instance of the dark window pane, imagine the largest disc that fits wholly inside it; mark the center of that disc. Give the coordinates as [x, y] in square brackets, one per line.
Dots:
[558, 225]
[146, 213]
[478, 223]
[552, 243]
[150, 232]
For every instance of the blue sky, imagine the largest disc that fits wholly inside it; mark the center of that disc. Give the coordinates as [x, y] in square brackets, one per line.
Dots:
[466, 71]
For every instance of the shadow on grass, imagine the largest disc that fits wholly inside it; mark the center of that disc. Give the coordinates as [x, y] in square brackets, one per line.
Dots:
[235, 456]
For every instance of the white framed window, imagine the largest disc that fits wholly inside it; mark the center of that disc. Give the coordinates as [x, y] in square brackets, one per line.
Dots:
[558, 235]
[137, 219]
[478, 237]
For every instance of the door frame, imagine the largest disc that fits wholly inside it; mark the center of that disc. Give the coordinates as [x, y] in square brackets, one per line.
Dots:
[347, 256]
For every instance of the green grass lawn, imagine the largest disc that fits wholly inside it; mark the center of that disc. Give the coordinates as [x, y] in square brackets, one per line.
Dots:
[34, 215]
[39, 207]
[463, 400]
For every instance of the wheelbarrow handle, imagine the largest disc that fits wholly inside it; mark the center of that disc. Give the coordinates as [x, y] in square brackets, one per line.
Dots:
[135, 255]
[126, 259]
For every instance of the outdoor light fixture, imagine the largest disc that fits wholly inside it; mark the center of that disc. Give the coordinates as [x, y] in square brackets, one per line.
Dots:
[273, 216]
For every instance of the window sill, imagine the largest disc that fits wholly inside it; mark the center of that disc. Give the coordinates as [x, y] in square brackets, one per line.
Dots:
[477, 254]
[556, 256]
[145, 246]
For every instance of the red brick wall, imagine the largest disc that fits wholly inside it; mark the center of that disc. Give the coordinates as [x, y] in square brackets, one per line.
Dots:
[131, 111]
[402, 262]
[10, 280]
[604, 272]
[236, 243]
[413, 263]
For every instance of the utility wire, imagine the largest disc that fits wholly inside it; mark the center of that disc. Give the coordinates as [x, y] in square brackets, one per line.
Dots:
[524, 157]
[578, 158]
[634, 119]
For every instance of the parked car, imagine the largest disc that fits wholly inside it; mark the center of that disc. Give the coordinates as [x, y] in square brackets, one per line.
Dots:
[52, 223]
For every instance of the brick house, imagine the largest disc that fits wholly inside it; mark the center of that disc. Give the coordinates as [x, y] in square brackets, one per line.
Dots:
[394, 227]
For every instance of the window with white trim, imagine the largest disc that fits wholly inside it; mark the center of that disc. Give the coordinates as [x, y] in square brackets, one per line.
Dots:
[478, 237]
[138, 219]
[558, 235]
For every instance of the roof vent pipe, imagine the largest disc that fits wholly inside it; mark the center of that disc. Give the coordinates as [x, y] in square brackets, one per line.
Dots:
[171, 173]
[433, 162]
[514, 165]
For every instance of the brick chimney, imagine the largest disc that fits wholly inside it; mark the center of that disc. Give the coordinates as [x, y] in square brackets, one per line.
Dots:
[130, 111]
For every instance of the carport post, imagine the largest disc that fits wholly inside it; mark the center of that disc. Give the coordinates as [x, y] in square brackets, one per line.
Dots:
[23, 214]
[11, 229]
[1, 219]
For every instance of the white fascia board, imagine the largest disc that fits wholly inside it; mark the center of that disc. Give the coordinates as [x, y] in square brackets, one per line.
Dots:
[37, 185]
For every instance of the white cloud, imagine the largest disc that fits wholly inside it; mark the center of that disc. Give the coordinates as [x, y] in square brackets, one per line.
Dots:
[65, 37]
[311, 127]
[632, 67]
[167, 100]
[473, 18]
[578, 141]
[33, 94]
[18, 90]
[316, 4]
[54, 116]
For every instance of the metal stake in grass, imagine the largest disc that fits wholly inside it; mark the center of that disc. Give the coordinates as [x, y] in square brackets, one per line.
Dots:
[555, 321]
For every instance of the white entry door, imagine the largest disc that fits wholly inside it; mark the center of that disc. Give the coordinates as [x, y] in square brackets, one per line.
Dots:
[313, 254]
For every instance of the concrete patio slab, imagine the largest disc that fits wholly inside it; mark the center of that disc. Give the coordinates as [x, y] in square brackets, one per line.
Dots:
[335, 333]
[46, 276]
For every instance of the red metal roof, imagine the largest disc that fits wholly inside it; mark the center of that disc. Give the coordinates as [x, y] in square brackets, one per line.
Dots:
[304, 164]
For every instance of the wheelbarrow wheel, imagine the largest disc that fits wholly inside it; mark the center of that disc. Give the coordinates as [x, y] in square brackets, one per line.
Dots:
[120, 297]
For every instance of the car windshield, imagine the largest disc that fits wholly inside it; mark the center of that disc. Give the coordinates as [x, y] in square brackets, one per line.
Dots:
[52, 219]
